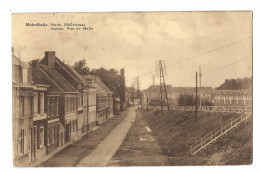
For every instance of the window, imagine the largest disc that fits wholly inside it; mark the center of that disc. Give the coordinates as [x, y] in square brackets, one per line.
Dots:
[22, 106]
[21, 142]
[74, 103]
[52, 106]
[70, 104]
[42, 104]
[25, 75]
[35, 103]
[67, 104]
[80, 100]
[72, 126]
[41, 137]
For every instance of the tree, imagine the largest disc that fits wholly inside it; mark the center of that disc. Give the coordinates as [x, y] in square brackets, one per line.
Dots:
[186, 100]
[110, 78]
[81, 67]
[37, 75]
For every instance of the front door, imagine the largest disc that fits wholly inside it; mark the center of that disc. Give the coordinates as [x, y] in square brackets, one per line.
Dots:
[58, 135]
[34, 144]
[67, 133]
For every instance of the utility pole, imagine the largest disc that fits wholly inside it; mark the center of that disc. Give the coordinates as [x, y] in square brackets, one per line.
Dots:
[133, 95]
[153, 80]
[138, 92]
[200, 83]
[196, 107]
[147, 102]
[162, 84]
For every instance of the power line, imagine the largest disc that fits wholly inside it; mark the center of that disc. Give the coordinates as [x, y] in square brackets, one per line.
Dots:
[220, 68]
[196, 56]
[228, 65]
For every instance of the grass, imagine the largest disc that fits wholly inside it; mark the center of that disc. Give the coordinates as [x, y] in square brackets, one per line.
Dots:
[175, 131]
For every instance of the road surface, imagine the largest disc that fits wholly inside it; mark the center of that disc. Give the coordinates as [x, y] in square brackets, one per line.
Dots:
[108, 147]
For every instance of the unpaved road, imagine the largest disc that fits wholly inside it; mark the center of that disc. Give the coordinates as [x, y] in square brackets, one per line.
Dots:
[108, 147]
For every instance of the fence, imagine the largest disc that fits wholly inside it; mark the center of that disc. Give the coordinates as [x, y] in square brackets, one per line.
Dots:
[218, 132]
[230, 109]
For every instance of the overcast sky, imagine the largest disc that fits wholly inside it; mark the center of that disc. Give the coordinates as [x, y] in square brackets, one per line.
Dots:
[136, 41]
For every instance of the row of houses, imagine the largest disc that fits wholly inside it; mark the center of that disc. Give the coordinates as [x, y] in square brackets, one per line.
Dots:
[52, 105]
[219, 96]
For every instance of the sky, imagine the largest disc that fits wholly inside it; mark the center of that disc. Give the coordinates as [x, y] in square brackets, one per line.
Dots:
[136, 41]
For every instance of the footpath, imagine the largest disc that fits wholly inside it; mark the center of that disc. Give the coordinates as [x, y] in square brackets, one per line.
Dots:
[71, 153]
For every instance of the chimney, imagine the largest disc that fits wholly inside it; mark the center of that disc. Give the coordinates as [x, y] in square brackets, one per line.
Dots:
[50, 55]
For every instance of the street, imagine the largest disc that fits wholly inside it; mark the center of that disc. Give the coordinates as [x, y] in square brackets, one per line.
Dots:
[97, 148]
[108, 147]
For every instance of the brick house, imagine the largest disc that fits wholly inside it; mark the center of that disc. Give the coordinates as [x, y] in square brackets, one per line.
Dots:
[40, 122]
[61, 103]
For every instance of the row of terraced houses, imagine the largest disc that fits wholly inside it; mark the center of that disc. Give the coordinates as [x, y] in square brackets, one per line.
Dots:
[53, 105]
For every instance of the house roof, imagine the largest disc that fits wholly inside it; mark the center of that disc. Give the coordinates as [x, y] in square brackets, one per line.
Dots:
[79, 76]
[236, 84]
[99, 85]
[18, 62]
[70, 71]
[65, 67]
[156, 88]
[58, 83]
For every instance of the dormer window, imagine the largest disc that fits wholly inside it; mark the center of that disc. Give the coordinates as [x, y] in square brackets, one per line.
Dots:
[79, 86]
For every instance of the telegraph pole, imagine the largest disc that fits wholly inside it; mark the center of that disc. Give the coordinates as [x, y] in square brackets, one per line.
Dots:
[163, 83]
[138, 92]
[161, 88]
[200, 83]
[133, 95]
[196, 107]
[147, 102]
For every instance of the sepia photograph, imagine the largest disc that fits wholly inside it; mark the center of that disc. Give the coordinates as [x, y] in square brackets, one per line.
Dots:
[119, 89]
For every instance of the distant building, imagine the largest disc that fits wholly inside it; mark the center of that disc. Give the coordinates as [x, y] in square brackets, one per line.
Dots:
[174, 93]
[234, 93]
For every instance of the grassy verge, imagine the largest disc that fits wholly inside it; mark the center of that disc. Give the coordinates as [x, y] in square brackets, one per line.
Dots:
[175, 131]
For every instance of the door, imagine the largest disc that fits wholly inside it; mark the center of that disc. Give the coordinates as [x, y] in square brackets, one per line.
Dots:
[32, 145]
[34, 142]
[67, 133]
[58, 135]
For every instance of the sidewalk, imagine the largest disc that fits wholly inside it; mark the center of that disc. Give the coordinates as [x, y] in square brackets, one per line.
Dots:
[71, 154]
[46, 157]
[108, 147]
